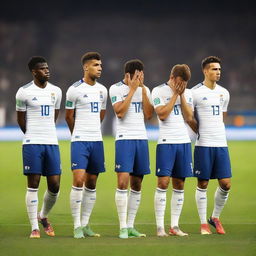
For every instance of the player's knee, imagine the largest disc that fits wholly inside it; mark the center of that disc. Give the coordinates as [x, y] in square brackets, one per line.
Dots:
[136, 187]
[122, 185]
[54, 188]
[90, 184]
[226, 186]
[203, 184]
[163, 184]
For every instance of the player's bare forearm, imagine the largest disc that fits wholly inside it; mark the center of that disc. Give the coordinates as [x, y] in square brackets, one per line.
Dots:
[121, 108]
[147, 107]
[193, 125]
[70, 119]
[164, 111]
[21, 119]
[186, 109]
[56, 114]
[102, 114]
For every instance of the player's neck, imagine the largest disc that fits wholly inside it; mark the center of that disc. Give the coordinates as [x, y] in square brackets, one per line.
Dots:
[210, 84]
[89, 80]
[41, 84]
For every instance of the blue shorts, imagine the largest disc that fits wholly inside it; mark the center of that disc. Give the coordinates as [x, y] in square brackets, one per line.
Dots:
[211, 163]
[174, 160]
[88, 155]
[41, 159]
[132, 156]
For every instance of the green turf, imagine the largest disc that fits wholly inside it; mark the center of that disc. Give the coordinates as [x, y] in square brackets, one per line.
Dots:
[238, 216]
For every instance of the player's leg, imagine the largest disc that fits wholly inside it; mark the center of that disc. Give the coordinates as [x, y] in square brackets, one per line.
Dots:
[165, 157]
[79, 161]
[49, 200]
[203, 163]
[95, 166]
[121, 200]
[222, 171]
[32, 168]
[124, 161]
[133, 204]
[140, 168]
[52, 172]
[32, 203]
[176, 206]
[182, 169]
[88, 202]
[160, 203]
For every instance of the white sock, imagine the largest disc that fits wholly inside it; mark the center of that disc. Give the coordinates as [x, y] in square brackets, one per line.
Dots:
[221, 197]
[121, 205]
[49, 201]
[76, 195]
[133, 205]
[89, 199]
[176, 206]
[201, 202]
[32, 205]
[160, 204]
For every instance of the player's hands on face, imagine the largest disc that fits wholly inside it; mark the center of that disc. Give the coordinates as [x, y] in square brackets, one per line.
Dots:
[141, 78]
[179, 86]
[133, 83]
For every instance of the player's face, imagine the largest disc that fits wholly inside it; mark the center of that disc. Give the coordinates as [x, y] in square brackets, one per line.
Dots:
[41, 72]
[94, 68]
[212, 72]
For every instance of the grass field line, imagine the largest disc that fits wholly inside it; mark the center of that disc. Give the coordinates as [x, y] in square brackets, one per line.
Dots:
[114, 224]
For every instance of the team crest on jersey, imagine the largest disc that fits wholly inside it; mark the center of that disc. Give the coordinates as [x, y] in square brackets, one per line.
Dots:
[221, 98]
[53, 97]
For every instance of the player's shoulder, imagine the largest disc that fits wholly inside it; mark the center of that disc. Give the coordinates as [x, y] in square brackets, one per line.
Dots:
[53, 87]
[26, 86]
[222, 89]
[77, 84]
[116, 86]
[160, 87]
[199, 86]
[101, 86]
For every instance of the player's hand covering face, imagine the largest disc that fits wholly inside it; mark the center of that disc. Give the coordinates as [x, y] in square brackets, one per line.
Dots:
[135, 82]
[179, 85]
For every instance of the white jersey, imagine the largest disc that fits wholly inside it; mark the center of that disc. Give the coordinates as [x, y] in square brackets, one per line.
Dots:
[132, 125]
[88, 101]
[173, 129]
[39, 105]
[209, 107]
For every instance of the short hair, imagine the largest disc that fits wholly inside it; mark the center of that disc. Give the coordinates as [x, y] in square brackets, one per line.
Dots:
[132, 65]
[90, 56]
[210, 59]
[181, 70]
[34, 61]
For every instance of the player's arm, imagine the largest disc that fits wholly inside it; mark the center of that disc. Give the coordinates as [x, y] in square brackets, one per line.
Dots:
[70, 119]
[193, 125]
[121, 108]
[225, 114]
[102, 114]
[21, 119]
[56, 114]
[147, 107]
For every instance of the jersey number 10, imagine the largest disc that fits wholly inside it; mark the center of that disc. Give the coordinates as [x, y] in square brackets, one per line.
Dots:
[45, 110]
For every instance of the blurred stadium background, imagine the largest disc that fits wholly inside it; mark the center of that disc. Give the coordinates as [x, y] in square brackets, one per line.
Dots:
[160, 33]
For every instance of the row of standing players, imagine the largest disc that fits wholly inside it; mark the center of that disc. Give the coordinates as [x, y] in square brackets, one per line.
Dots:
[202, 108]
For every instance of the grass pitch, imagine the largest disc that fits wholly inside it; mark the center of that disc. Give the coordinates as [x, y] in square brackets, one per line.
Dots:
[238, 216]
